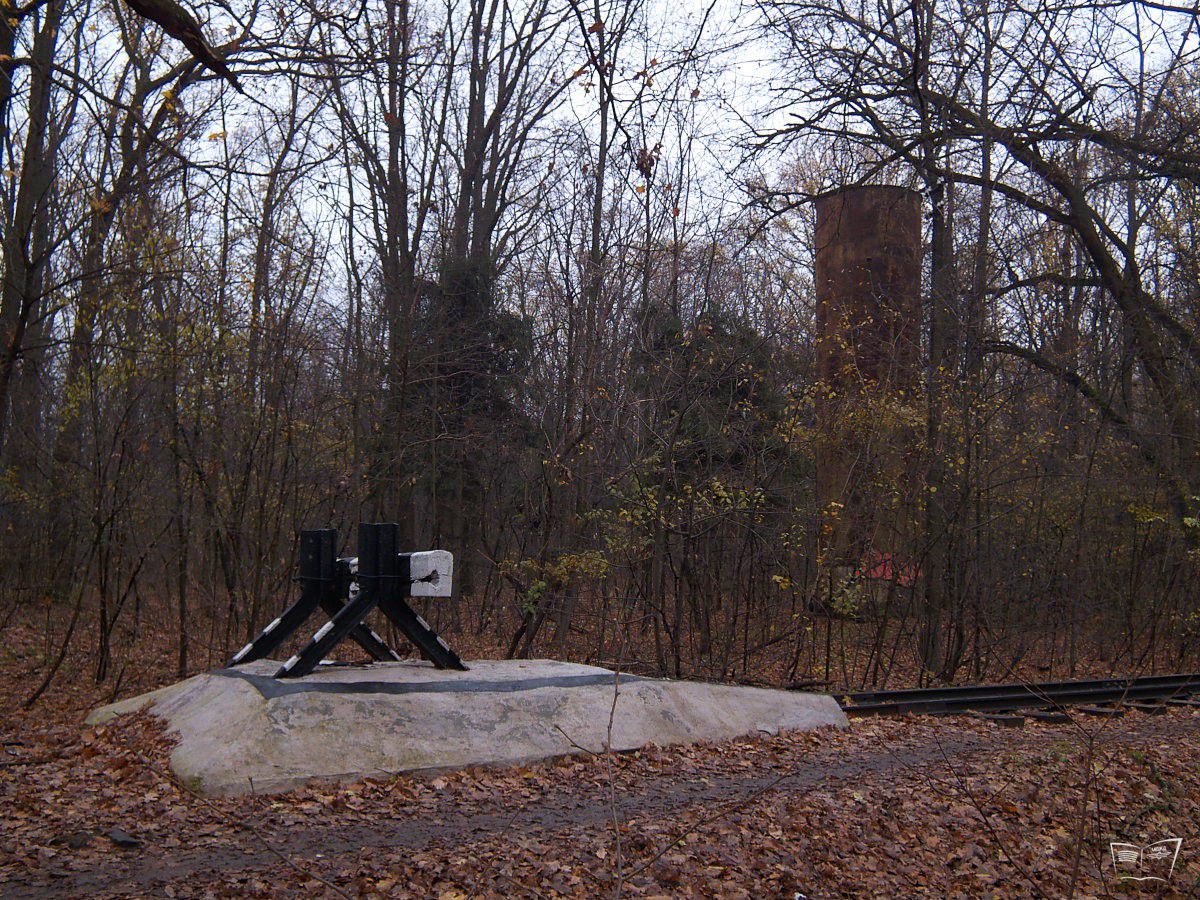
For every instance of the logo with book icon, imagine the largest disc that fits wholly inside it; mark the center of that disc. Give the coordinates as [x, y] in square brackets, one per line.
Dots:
[1153, 862]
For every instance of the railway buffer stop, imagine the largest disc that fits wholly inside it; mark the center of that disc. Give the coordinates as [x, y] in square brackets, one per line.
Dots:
[348, 589]
[262, 725]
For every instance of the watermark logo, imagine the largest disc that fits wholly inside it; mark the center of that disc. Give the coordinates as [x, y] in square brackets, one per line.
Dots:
[1153, 862]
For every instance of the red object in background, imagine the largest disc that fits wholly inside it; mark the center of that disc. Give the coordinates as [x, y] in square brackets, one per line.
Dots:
[885, 567]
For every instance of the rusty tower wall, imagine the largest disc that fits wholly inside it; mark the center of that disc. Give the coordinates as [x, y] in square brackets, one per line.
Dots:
[868, 316]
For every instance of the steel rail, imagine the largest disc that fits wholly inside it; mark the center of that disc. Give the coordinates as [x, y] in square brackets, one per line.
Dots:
[1011, 697]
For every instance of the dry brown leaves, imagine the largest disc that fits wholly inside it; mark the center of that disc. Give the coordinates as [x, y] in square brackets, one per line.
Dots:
[908, 807]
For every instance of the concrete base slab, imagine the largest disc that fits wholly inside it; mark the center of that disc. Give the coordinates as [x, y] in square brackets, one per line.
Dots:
[241, 731]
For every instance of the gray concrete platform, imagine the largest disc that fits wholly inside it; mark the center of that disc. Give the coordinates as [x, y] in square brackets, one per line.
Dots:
[241, 731]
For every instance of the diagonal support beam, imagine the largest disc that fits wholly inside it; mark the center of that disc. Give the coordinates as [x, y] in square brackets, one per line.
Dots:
[324, 582]
[355, 610]
[361, 634]
[411, 625]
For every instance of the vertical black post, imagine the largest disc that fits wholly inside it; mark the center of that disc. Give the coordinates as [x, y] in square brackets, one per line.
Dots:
[376, 563]
[325, 582]
[377, 552]
[318, 559]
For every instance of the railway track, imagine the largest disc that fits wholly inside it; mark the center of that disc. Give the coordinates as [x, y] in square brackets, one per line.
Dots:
[1101, 696]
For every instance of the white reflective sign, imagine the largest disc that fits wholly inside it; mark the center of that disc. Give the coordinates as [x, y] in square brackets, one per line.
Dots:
[432, 573]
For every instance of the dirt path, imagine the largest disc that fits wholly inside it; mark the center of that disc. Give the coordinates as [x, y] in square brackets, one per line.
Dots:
[565, 807]
[550, 813]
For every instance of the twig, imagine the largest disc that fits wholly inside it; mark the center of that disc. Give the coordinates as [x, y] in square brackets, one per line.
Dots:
[240, 824]
[578, 746]
[1081, 818]
[715, 817]
[524, 887]
[987, 820]
[618, 860]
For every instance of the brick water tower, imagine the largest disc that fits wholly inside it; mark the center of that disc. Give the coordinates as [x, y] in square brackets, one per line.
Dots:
[868, 294]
